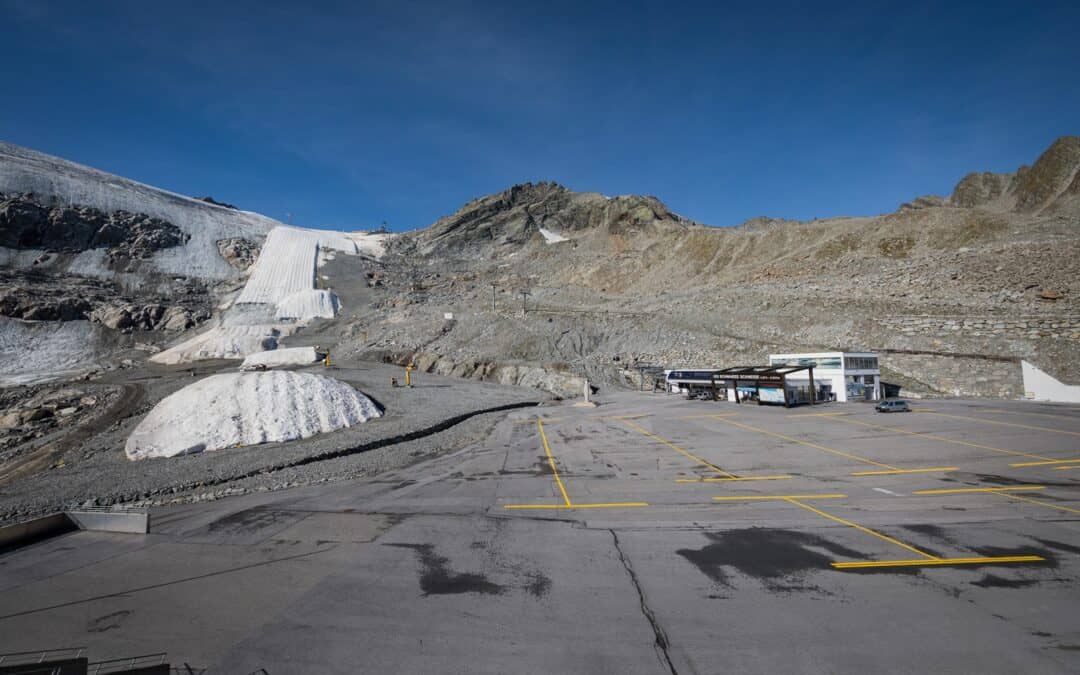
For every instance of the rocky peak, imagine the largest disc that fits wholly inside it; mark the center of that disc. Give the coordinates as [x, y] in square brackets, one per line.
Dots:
[515, 216]
[1053, 176]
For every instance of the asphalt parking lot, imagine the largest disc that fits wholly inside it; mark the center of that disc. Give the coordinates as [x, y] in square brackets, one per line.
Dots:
[649, 534]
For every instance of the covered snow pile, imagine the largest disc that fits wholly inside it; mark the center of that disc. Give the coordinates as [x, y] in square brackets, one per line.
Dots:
[286, 264]
[224, 342]
[227, 410]
[552, 237]
[281, 357]
[305, 305]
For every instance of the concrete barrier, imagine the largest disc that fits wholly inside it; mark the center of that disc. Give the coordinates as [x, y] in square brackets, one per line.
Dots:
[38, 529]
[94, 520]
[107, 520]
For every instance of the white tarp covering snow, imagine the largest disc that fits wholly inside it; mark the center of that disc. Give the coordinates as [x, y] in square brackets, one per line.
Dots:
[552, 237]
[305, 305]
[239, 409]
[286, 264]
[224, 342]
[290, 356]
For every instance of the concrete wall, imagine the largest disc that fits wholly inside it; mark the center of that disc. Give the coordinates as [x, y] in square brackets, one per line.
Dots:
[1042, 387]
[26, 532]
[131, 522]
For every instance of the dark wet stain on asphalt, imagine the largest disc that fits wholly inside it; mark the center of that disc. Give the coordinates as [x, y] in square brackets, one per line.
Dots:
[779, 559]
[246, 521]
[107, 622]
[1057, 545]
[994, 581]
[436, 577]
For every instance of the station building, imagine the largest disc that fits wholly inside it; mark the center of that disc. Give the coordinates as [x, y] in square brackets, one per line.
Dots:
[840, 376]
[789, 379]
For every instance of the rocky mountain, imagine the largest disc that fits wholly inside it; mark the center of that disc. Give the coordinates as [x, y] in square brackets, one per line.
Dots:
[543, 285]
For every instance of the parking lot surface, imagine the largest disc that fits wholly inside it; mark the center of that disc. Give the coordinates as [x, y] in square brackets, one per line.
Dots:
[650, 534]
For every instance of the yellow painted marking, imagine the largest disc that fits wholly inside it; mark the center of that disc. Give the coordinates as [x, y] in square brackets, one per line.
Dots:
[1007, 424]
[1040, 503]
[551, 462]
[899, 471]
[862, 564]
[698, 417]
[726, 480]
[646, 432]
[1066, 468]
[860, 528]
[791, 439]
[941, 438]
[780, 498]
[535, 419]
[1050, 461]
[956, 491]
[829, 414]
[614, 505]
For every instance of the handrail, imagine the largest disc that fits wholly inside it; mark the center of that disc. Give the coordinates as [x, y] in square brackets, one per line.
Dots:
[126, 663]
[42, 655]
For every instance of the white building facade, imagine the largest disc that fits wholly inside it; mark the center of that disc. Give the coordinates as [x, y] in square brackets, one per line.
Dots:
[848, 376]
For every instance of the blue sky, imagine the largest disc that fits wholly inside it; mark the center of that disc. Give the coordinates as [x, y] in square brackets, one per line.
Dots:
[349, 114]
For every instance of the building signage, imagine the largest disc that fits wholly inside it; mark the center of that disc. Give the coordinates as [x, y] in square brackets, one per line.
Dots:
[752, 377]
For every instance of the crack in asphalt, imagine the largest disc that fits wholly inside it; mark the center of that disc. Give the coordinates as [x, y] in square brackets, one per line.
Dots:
[661, 645]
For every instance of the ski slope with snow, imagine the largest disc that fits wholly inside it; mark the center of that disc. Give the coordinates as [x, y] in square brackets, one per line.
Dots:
[286, 264]
[240, 409]
[62, 182]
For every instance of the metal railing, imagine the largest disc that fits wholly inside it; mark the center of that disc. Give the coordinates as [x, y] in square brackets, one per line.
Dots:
[40, 656]
[127, 663]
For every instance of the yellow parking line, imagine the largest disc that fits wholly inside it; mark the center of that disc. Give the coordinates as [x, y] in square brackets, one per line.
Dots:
[926, 560]
[1007, 424]
[614, 505]
[894, 472]
[941, 438]
[1066, 468]
[780, 498]
[808, 444]
[727, 480]
[646, 432]
[697, 417]
[867, 530]
[551, 462]
[956, 491]
[562, 488]
[1040, 503]
[829, 414]
[1049, 461]
[936, 561]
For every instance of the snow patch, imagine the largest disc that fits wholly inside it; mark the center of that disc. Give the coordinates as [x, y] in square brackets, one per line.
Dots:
[224, 342]
[552, 237]
[306, 305]
[32, 352]
[240, 409]
[291, 356]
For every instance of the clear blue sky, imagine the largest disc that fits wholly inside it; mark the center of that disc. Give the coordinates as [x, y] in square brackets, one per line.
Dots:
[355, 113]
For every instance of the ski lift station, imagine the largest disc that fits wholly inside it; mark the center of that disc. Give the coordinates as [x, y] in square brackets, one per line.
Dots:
[788, 379]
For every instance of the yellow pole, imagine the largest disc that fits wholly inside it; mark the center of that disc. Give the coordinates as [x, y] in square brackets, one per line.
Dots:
[408, 374]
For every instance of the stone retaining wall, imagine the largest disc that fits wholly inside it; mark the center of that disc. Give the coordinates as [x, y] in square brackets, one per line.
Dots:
[1029, 327]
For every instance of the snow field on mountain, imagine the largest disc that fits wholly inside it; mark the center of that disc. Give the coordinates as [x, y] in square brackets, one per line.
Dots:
[38, 351]
[286, 264]
[241, 409]
[552, 237]
[23, 170]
